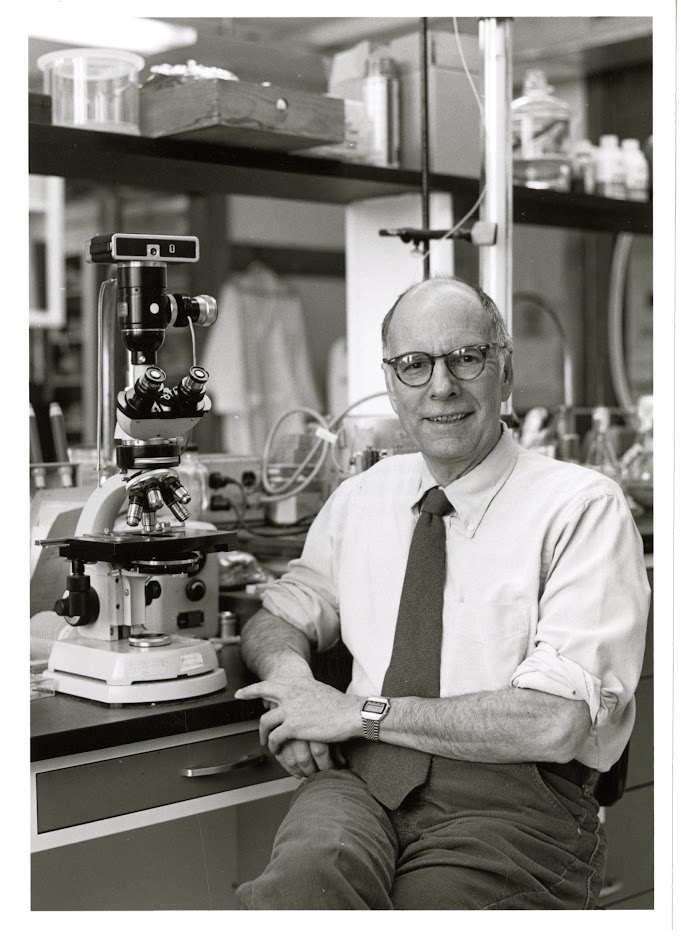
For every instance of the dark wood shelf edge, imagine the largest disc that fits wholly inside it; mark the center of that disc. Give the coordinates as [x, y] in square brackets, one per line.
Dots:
[167, 164]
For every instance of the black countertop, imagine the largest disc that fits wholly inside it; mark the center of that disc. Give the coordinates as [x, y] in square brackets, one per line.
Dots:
[63, 724]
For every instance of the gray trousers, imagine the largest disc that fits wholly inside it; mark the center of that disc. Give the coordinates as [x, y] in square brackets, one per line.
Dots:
[474, 837]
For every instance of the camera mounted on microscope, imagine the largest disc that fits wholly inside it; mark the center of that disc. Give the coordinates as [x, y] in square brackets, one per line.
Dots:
[150, 414]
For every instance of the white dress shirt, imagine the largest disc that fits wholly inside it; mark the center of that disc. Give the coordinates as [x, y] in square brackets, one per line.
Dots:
[545, 588]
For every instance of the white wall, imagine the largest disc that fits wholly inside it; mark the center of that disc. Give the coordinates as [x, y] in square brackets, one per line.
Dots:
[378, 269]
[285, 223]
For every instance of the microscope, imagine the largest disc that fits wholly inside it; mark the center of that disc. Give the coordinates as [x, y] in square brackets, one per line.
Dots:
[138, 584]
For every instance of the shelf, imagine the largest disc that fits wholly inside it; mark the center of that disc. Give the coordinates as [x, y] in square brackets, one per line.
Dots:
[180, 166]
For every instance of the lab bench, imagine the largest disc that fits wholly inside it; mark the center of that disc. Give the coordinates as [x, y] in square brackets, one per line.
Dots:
[125, 814]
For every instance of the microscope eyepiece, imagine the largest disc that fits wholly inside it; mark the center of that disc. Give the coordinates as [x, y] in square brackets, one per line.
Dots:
[148, 388]
[193, 386]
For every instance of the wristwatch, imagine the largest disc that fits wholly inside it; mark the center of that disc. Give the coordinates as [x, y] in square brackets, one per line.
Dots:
[374, 710]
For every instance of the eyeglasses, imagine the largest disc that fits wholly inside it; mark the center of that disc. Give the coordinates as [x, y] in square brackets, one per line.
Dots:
[415, 368]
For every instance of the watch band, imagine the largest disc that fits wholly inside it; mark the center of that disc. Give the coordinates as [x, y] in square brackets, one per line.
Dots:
[370, 728]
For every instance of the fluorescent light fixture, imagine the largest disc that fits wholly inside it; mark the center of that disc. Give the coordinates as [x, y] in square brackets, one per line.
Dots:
[146, 36]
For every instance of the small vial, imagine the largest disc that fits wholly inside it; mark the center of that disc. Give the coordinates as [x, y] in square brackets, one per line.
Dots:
[228, 625]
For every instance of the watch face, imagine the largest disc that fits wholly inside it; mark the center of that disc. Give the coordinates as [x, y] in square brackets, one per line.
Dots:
[377, 707]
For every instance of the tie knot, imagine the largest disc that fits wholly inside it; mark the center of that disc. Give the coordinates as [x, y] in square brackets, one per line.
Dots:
[436, 502]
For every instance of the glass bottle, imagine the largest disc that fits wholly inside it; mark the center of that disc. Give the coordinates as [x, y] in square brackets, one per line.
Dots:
[600, 451]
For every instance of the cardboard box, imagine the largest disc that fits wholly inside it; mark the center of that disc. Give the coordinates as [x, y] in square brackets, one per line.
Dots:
[453, 115]
[455, 124]
[239, 113]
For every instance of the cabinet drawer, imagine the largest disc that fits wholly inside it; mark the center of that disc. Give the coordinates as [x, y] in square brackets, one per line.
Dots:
[90, 792]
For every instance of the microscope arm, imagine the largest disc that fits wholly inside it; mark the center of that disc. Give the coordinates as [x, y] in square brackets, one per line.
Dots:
[103, 507]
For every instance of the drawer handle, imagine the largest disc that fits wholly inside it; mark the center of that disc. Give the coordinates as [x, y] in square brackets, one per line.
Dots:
[248, 760]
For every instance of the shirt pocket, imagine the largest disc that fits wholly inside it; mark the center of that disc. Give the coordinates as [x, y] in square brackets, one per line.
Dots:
[483, 643]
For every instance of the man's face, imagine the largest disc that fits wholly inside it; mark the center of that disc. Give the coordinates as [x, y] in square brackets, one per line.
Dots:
[455, 423]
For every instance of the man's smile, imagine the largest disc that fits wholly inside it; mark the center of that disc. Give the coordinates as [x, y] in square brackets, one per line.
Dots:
[447, 418]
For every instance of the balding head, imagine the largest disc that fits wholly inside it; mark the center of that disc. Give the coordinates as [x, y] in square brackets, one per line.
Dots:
[461, 293]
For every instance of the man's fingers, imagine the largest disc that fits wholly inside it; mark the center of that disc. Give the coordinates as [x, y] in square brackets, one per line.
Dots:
[338, 756]
[321, 754]
[303, 757]
[277, 738]
[290, 766]
[259, 690]
[268, 721]
[295, 756]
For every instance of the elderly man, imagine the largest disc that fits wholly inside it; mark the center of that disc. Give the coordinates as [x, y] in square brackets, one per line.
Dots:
[494, 603]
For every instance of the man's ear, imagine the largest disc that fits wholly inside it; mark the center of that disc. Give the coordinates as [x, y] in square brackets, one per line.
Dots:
[507, 385]
[389, 376]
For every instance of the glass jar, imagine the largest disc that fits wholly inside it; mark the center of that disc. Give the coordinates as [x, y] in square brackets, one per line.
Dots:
[541, 127]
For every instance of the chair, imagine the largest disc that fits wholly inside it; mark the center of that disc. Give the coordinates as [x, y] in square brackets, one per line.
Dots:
[610, 785]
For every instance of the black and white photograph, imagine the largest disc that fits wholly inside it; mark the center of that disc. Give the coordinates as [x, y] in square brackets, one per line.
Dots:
[343, 375]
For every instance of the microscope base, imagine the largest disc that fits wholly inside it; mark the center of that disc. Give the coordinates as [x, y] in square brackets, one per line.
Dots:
[162, 690]
[116, 673]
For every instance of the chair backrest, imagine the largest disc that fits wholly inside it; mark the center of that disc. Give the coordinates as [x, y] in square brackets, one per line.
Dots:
[610, 785]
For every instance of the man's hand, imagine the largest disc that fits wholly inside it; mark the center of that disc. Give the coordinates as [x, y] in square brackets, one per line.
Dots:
[304, 710]
[304, 758]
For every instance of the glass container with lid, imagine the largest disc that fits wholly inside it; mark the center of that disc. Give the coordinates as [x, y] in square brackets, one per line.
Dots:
[541, 128]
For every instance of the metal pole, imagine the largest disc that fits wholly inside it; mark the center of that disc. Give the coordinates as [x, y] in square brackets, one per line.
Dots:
[425, 145]
[111, 220]
[496, 262]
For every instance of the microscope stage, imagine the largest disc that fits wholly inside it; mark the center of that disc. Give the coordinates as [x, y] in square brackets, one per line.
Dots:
[122, 548]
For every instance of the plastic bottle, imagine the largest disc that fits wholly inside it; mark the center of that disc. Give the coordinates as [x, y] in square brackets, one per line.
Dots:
[194, 476]
[610, 180]
[636, 176]
[583, 167]
[599, 451]
[541, 127]
[381, 91]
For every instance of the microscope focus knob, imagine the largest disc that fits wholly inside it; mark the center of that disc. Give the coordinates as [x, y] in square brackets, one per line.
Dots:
[152, 591]
[195, 590]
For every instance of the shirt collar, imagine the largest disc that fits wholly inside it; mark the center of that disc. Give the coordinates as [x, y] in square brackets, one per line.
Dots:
[471, 494]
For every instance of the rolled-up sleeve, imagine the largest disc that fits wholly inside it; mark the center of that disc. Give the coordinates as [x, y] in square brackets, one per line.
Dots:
[306, 595]
[593, 610]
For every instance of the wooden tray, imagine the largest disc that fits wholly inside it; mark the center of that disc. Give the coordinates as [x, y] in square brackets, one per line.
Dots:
[240, 113]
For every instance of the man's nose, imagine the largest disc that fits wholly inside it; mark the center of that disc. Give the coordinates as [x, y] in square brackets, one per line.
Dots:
[443, 382]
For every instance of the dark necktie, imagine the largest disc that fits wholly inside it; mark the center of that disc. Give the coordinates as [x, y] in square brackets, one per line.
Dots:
[391, 771]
